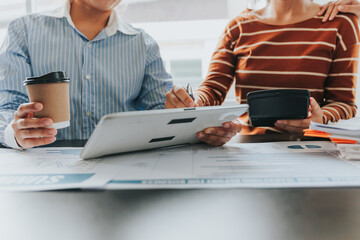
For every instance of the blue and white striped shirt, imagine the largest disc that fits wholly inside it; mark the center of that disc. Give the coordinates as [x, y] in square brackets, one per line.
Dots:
[120, 70]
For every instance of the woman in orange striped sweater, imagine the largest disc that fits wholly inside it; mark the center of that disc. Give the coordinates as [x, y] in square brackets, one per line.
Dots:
[284, 45]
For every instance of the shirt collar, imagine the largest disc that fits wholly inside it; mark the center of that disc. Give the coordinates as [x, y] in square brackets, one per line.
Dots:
[115, 23]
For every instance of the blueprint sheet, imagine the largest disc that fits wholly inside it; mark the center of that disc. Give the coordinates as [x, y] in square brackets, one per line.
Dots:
[236, 165]
[51, 168]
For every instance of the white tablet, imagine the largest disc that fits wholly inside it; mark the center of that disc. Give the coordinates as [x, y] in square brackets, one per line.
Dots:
[134, 131]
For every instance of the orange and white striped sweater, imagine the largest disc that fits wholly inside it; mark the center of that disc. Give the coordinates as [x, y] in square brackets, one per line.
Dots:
[320, 57]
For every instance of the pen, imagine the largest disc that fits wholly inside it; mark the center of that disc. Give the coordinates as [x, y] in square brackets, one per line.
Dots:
[189, 91]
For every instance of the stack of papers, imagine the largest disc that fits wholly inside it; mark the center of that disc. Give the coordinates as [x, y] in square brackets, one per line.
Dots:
[349, 151]
[342, 132]
[345, 133]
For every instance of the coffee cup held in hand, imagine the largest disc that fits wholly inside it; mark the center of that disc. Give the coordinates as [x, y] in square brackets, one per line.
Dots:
[52, 91]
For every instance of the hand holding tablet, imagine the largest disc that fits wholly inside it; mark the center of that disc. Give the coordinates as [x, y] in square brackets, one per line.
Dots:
[134, 131]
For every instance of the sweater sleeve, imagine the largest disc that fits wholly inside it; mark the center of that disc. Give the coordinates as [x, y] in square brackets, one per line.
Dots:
[340, 85]
[222, 68]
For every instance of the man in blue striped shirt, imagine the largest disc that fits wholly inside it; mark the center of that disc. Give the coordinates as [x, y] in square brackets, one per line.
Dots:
[113, 67]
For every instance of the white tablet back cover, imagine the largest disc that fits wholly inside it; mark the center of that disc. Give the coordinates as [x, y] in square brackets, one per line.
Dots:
[132, 131]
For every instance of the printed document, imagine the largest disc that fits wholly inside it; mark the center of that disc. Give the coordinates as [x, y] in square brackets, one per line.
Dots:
[248, 165]
[51, 168]
[349, 127]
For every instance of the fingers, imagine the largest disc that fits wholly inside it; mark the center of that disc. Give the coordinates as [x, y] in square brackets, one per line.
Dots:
[328, 12]
[218, 136]
[297, 126]
[323, 9]
[178, 98]
[36, 133]
[234, 126]
[316, 111]
[293, 126]
[331, 9]
[33, 132]
[213, 140]
[220, 132]
[182, 97]
[35, 142]
[303, 123]
[169, 105]
[315, 107]
[334, 12]
[294, 130]
[33, 137]
[26, 123]
[355, 9]
[27, 108]
[172, 101]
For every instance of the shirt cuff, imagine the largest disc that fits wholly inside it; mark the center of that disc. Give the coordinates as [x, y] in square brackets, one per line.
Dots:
[9, 138]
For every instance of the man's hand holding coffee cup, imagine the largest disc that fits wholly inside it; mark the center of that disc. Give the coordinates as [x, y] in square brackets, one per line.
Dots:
[29, 131]
[35, 123]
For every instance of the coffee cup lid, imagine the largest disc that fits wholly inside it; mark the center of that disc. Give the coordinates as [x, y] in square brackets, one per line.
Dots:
[53, 77]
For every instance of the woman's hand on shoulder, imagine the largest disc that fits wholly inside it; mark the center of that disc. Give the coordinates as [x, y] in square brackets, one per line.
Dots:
[331, 9]
[297, 126]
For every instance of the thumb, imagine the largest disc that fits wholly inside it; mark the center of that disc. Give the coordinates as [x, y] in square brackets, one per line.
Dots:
[355, 9]
[315, 108]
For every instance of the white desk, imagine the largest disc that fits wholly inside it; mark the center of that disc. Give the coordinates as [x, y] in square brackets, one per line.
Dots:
[279, 214]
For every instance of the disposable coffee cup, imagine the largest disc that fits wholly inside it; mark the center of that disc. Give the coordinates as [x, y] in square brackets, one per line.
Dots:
[52, 90]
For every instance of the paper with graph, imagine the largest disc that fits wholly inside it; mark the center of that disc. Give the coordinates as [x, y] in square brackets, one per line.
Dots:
[254, 165]
[51, 168]
[236, 165]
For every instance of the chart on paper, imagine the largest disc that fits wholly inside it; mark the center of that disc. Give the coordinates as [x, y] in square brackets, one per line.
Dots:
[51, 168]
[282, 164]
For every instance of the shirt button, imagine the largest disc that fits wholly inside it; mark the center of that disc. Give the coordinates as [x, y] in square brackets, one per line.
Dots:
[88, 77]
[89, 45]
[88, 114]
